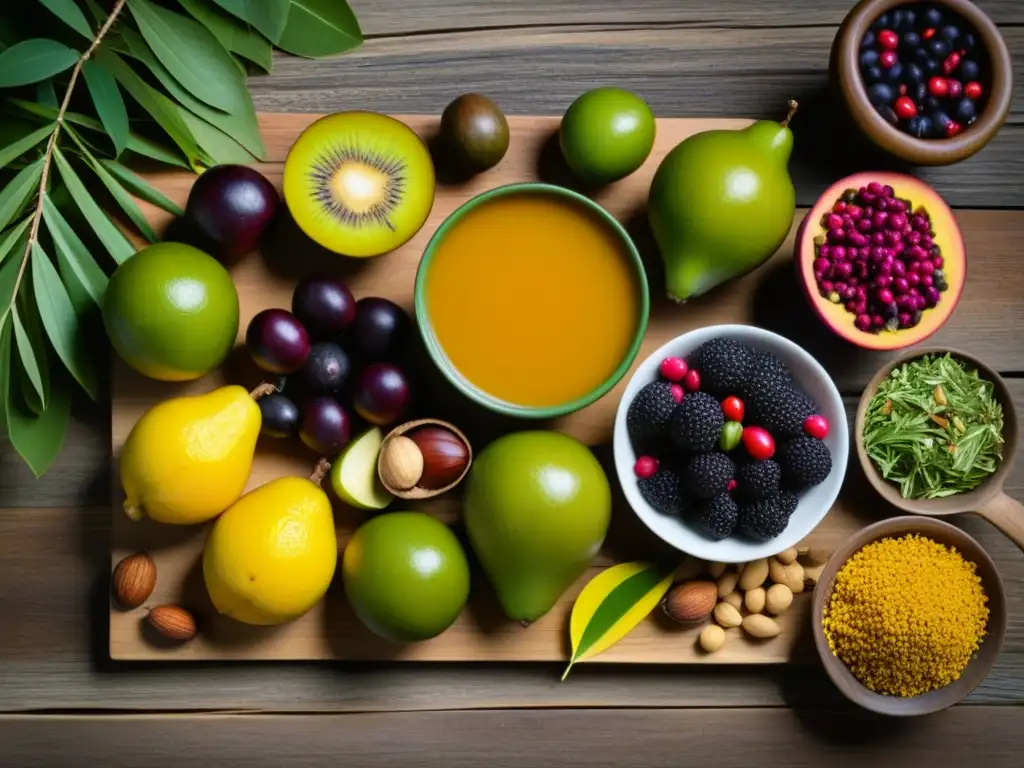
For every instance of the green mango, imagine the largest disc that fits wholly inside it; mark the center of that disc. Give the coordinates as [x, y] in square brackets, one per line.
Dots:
[721, 203]
[536, 509]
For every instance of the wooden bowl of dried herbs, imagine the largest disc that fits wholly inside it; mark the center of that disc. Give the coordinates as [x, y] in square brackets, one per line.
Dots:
[936, 433]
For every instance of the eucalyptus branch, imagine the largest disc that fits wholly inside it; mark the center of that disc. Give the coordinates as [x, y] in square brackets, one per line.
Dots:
[51, 145]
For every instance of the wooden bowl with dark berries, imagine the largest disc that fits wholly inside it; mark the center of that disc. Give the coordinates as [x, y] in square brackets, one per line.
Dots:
[930, 83]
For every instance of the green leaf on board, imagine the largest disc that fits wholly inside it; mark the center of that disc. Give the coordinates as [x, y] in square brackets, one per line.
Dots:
[67, 335]
[45, 93]
[191, 54]
[120, 194]
[160, 108]
[268, 16]
[85, 281]
[320, 28]
[68, 12]
[111, 237]
[33, 60]
[18, 190]
[33, 365]
[37, 439]
[109, 104]
[15, 150]
[242, 126]
[221, 147]
[12, 236]
[236, 36]
[141, 188]
[612, 604]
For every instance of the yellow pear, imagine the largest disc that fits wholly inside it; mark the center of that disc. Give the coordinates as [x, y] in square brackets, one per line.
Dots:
[188, 458]
[272, 555]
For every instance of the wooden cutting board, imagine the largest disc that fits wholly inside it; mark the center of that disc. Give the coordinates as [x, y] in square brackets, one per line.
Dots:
[331, 631]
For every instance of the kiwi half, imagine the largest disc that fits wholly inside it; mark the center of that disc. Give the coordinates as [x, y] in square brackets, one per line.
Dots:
[359, 183]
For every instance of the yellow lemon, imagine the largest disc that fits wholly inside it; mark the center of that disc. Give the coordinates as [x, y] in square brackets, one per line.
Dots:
[272, 555]
[188, 458]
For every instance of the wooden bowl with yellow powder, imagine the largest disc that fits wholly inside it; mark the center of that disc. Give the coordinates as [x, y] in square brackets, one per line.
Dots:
[909, 616]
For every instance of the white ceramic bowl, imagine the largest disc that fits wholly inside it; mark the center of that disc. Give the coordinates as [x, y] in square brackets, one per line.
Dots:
[814, 503]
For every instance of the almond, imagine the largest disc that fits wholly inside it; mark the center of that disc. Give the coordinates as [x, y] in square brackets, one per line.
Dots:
[173, 621]
[727, 616]
[727, 583]
[754, 599]
[787, 556]
[690, 601]
[134, 579]
[735, 599]
[778, 599]
[712, 638]
[755, 573]
[760, 626]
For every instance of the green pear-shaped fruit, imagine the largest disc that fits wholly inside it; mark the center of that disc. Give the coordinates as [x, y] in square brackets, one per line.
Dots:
[721, 204]
[536, 509]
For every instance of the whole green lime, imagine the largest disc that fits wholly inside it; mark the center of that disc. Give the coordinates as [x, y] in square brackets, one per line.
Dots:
[406, 576]
[606, 134]
[171, 311]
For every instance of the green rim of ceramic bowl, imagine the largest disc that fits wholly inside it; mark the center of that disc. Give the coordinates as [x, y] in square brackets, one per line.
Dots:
[449, 370]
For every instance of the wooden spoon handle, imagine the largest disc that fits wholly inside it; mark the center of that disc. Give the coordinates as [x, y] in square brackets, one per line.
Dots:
[1007, 515]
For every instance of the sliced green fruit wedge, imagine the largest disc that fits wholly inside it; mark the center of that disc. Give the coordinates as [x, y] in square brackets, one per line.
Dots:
[354, 473]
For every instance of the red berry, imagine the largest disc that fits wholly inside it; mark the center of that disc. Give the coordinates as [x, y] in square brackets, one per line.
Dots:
[887, 59]
[938, 87]
[677, 392]
[928, 34]
[888, 39]
[816, 426]
[956, 89]
[951, 63]
[759, 443]
[905, 108]
[732, 408]
[731, 486]
[645, 466]
[691, 380]
[903, 90]
[673, 368]
[953, 128]
[973, 90]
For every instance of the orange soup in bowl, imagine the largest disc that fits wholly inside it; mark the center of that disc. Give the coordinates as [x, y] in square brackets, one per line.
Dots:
[535, 298]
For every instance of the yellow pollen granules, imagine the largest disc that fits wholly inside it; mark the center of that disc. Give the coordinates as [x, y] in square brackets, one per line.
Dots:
[906, 615]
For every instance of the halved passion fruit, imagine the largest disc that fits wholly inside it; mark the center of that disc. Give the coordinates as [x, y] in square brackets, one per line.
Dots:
[881, 260]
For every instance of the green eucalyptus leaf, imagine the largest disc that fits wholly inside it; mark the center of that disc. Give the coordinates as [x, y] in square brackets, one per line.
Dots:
[15, 150]
[318, 28]
[68, 12]
[111, 237]
[9, 278]
[236, 36]
[191, 54]
[45, 94]
[119, 193]
[5, 365]
[221, 147]
[33, 60]
[84, 279]
[141, 188]
[33, 365]
[97, 13]
[18, 190]
[37, 439]
[268, 16]
[68, 337]
[109, 104]
[242, 126]
[160, 108]
[12, 236]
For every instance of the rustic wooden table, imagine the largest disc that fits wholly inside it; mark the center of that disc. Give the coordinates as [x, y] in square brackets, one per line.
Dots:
[64, 702]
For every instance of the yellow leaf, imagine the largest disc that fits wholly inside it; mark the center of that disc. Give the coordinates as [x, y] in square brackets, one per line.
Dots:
[612, 604]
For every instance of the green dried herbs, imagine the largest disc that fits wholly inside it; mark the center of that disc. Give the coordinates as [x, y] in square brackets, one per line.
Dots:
[934, 428]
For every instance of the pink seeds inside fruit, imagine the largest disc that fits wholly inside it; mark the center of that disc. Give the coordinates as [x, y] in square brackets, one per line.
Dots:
[877, 256]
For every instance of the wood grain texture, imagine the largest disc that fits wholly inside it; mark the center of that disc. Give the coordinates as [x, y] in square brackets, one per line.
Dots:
[331, 631]
[838, 737]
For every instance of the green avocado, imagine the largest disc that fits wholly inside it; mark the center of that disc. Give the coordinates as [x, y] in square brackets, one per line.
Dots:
[721, 203]
[606, 134]
[536, 508]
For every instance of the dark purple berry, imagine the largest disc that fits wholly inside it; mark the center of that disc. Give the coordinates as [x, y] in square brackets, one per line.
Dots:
[324, 305]
[969, 70]
[938, 48]
[873, 74]
[277, 341]
[965, 110]
[868, 40]
[921, 127]
[380, 329]
[969, 42]
[889, 115]
[229, 208]
[882, 22]
[881, 94]
[894, 73]
[949, 33]
[325, 426]
[280, 416]
[868, 58]
[932, 17]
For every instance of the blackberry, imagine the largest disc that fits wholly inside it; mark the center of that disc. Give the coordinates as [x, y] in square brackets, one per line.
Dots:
[805, 461]
[718, 516]
[697, 423]
[758, 479]
[765, 519]
[781, 411]
[650, 414]
[722, 364]
[708, 474]
[766, 374]
[663, 490]
[788, 501]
